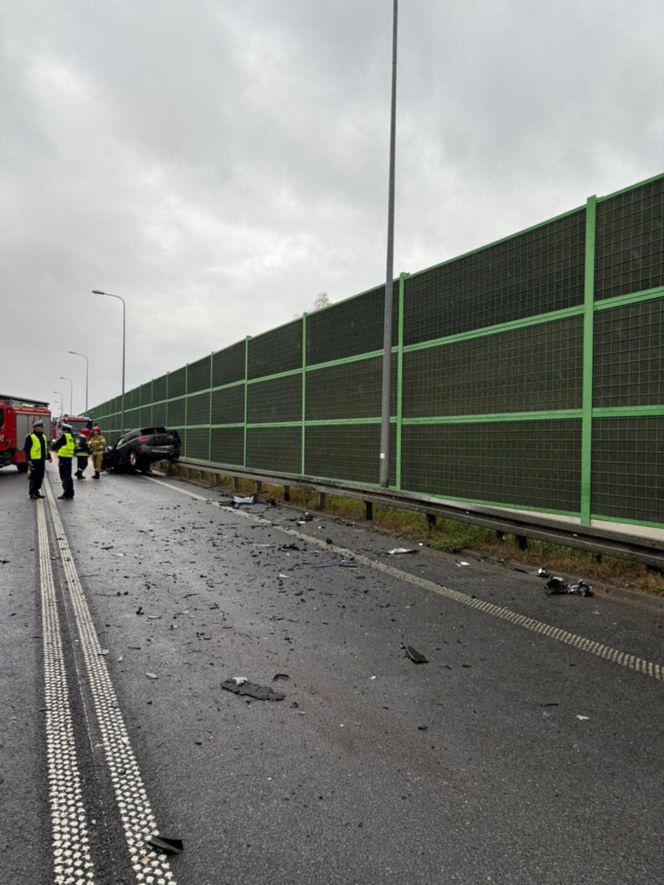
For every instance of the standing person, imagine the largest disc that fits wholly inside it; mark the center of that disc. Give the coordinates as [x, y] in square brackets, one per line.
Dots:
[82, 452]
[36, 453]
[97, 446]
[65, 448]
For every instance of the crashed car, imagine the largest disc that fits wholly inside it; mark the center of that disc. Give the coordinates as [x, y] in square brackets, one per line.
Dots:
[139, 449]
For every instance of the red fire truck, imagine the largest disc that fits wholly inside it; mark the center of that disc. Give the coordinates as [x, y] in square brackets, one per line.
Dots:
[16, 416]
[76, 422]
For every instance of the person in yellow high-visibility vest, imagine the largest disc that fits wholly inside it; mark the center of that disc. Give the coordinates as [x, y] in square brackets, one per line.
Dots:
[65, 447]
[36, 454]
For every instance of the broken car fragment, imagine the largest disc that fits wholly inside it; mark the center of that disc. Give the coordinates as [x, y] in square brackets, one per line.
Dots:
[253, 690]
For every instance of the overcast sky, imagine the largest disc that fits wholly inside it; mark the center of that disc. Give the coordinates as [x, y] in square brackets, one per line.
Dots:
[218, 163]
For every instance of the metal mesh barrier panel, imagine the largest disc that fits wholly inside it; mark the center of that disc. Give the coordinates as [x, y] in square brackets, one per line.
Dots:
[228, 365]
[132, 419]
[524, 463]
[177, 382]
[160, 414]
[198, 409]
[630, 241]
[274, 448]
[197, 444]
[535, 272]
[528, 373]
[344, 452]
[227, 445]
[628, 468]
[529, 369]
[228, 405]
[351, 327]
[199, 375]
[276, 351]
[274, 401]
[160, 388]
[629, 355]
[146, 393]
[348, 390]
[176, 412]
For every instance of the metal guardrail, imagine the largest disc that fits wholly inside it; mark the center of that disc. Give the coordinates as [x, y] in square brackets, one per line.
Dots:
[602, 542]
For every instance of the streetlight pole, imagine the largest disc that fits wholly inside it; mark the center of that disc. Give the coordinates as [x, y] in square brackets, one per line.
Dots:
[384, 473]
[76, 353]
[124, 336]
[59, 393]
[71, 393]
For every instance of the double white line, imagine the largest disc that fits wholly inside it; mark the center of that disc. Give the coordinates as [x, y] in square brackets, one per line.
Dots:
[71, 847]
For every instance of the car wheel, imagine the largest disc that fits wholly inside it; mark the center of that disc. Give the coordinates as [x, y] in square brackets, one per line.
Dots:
[133, 460]
[145, 467]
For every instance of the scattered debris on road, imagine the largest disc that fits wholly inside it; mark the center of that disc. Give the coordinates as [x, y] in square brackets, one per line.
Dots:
[416, 656]
[253, 690]
[239, 502]
[165, 845]
[558, 586]
[398, 551]
[152, 676]
[280, 677]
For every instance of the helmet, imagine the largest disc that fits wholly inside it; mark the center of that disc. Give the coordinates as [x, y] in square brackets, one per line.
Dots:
[97, 428]
[38, 422]
[84, 431]
[66, 427]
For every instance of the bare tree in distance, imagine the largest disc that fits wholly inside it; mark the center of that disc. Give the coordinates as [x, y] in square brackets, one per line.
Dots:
[321, 300]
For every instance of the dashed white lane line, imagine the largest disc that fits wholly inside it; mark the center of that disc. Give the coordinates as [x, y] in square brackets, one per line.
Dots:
[72, 864]
[138, 820]
[582, 643]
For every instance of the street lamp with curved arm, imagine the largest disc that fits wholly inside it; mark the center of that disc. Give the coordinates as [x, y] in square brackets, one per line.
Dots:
[71, 393]
[76, 353]
[124, 335]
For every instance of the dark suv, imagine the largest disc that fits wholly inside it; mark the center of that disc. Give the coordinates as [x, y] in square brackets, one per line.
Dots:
[138, 449]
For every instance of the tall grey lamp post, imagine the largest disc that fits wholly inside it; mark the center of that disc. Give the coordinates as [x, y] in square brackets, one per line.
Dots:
[59, 393]
[71, 393]
[87, 364]
[124, 336]
[384, 473]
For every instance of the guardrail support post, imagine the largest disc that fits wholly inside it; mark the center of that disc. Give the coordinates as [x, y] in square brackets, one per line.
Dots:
[259, 487]
[236, 483]
[286, 493]
[431, 521]
[522, 541]
[321, 500]
[368, 509]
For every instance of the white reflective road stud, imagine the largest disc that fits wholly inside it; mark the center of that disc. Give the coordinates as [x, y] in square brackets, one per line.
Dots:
[136, 814]
[589, 646]
[72, 864]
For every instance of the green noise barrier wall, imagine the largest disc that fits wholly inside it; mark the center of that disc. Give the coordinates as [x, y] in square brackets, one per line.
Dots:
[526, 374]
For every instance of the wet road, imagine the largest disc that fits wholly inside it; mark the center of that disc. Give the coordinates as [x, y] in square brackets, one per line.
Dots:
[528, 749]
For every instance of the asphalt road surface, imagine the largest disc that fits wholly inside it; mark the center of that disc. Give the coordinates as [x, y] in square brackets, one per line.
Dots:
[527, 750]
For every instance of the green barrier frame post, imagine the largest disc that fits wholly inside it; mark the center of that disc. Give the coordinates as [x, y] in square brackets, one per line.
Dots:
[588, 331]
[304, 395]
[402, 292]
[246, 394]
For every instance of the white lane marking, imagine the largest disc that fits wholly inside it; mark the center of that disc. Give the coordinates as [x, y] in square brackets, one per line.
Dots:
[138, 820]
[72, 864]
[590, 646]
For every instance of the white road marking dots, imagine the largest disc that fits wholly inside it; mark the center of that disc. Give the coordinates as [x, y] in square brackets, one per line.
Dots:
[71, 850]
[136, 815]
[613, 655]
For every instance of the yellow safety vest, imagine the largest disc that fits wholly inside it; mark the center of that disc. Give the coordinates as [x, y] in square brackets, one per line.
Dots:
[36, 450]
[67, 451]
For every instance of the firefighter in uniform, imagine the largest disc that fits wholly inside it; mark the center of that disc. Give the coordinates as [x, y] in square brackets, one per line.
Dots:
[65, 448]
[97, 446]
[36, 453]
[82, 452]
